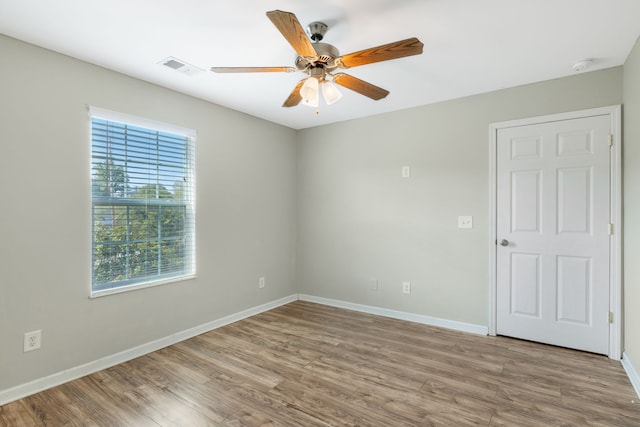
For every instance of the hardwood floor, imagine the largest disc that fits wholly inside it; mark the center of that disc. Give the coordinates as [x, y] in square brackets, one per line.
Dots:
[310, 365]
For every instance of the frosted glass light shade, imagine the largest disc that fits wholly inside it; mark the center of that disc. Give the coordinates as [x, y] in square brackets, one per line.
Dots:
[331, 93]
[309, 92]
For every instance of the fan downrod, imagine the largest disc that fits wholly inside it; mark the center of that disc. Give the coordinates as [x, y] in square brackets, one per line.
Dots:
[317, 30]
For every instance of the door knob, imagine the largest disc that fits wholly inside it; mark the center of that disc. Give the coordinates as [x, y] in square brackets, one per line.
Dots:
[504, 242]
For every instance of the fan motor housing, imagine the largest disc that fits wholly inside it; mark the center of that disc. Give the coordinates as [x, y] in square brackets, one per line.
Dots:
[326, 58]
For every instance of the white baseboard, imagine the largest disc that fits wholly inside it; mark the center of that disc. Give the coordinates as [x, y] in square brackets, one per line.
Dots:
[23, 390]
[418, 318]
[632, 373]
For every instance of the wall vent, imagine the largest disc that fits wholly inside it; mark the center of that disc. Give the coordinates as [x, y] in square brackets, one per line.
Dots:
[181, 66]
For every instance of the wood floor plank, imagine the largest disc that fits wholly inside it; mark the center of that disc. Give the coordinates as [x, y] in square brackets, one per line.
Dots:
[423, 410]
[232, 366]
[132, 398]
[306, 364]
[260, 408]
[334, 411]
[52, 407]
[15, 415]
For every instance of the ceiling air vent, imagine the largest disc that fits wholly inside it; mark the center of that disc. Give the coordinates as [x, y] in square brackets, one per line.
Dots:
[181, 66]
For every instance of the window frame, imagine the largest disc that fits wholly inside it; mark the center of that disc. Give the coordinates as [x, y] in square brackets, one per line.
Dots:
[189, 204]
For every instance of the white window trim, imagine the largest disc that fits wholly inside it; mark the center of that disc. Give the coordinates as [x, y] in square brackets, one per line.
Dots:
[110, 115]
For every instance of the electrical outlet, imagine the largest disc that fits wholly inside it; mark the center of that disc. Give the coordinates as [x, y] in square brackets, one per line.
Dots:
[373, 285]
[32, 340]
[406, 287]
[406, 171]
[261, 282]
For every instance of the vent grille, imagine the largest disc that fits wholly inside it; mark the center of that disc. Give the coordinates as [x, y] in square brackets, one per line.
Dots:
[181, 66]
[172, 63]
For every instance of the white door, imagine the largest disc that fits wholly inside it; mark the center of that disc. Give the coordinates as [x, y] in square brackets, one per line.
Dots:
[553, 215]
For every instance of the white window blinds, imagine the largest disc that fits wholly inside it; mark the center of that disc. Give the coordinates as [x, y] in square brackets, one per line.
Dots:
[142, 202]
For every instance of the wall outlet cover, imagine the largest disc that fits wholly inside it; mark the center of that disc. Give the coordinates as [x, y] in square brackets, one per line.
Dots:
[406, 287]
[32, 340]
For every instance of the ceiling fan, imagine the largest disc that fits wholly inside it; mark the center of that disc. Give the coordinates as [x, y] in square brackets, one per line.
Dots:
[320, 61]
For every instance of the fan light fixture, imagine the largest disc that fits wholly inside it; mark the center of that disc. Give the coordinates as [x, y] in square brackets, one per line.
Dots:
[310, 92]
[330, 93]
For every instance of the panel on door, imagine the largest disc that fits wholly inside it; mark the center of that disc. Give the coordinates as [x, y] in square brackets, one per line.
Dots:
[574, 289]
[525, 284]
[525, 201]
[553, 210]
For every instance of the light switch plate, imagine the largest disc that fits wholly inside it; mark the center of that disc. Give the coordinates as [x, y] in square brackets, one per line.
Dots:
[465, 221]
[406, 171]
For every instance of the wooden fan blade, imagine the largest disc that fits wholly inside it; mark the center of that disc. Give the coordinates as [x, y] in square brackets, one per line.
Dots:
[394, 50]
[253, 69]
[289, 26]
[360, 86]
[295, 97]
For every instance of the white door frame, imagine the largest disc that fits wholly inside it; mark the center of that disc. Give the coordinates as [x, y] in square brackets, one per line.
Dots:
[615, 274]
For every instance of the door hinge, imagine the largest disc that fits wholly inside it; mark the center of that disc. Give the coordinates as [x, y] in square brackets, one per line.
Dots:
[610, 229]
[610, 140]
[610, 317]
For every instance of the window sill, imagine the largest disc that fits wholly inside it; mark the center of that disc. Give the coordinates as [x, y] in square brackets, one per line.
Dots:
[129, 288]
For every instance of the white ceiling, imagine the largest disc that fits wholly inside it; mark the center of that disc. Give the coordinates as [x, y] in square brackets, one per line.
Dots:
[470, 46]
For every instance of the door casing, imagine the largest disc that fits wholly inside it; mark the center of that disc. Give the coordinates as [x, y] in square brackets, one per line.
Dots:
[615, 274]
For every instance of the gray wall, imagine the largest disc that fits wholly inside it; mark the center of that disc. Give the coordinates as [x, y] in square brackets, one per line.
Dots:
[246, 214]
[631, 113]
[356, 218]
[359, 220]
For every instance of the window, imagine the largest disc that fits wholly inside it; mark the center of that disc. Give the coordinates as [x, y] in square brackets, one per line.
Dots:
[142, 202]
